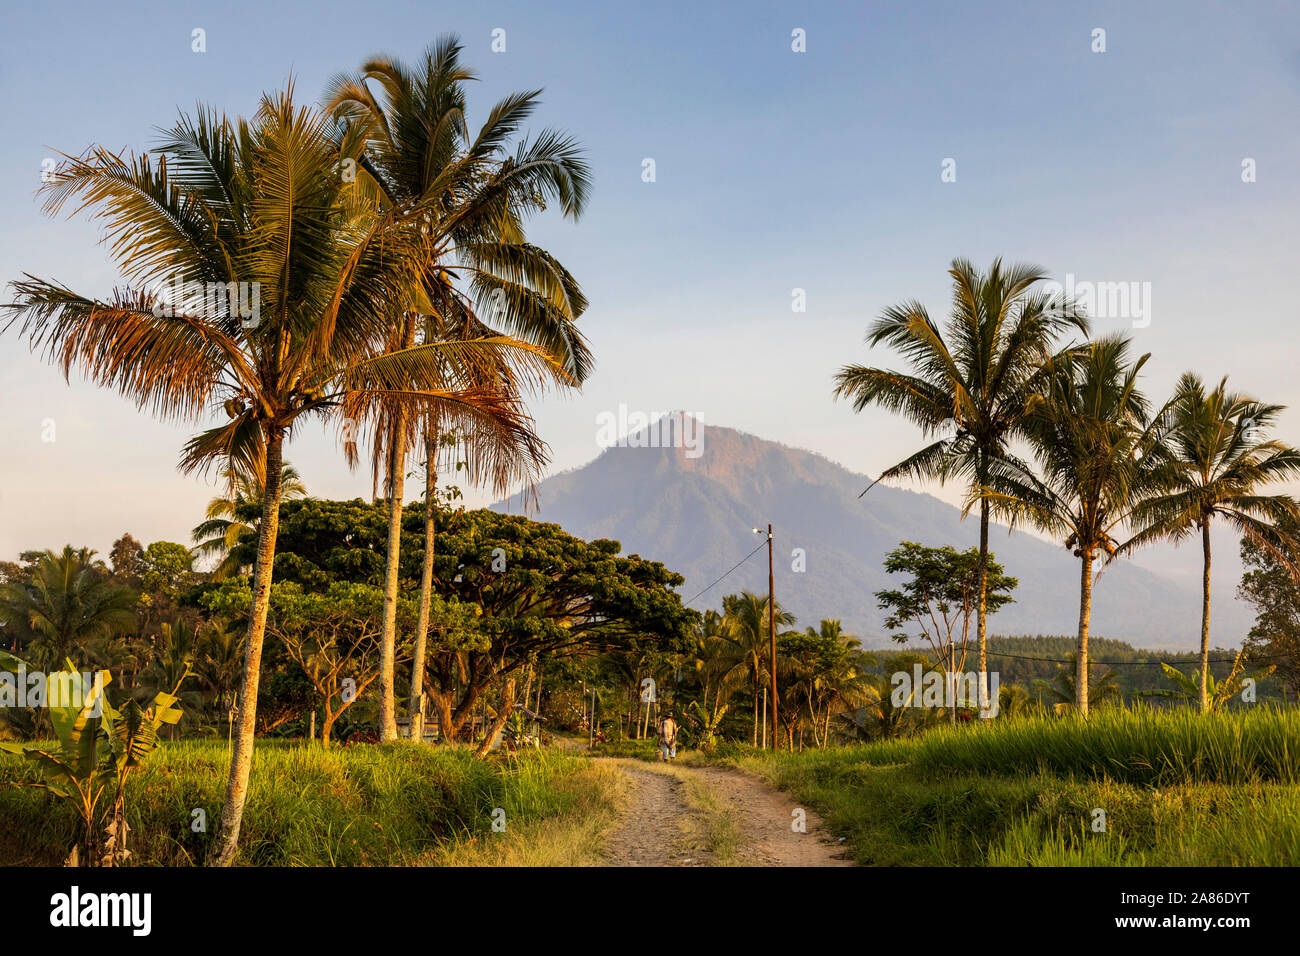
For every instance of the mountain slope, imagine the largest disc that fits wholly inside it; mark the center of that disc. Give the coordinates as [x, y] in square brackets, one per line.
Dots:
[696, 514]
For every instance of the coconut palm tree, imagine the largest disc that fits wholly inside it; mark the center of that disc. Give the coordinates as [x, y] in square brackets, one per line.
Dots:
[68, 603]
[228, 517]
[1097, 448]
[969, 385]
[479, 190]
[1062, 689]
[718, 662]
[1219, 460]
[745, 622]
[289, 274]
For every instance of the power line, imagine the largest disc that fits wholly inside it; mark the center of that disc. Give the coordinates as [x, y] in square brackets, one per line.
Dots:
[1056, 660]
[737, 564]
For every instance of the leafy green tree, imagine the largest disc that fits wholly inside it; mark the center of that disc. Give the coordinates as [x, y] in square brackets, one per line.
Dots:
[825, 673]
[332, 636]
[881, 716]
[942, 591]
[543, 593]
[127, 560]
[970, 385]
[1268, 584]
[1218, 463]
[169, 666]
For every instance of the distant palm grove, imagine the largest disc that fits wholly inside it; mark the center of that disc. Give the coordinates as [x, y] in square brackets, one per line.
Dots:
[399, 301]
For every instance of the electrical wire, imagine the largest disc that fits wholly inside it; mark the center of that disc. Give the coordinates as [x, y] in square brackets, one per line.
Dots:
[738, 564]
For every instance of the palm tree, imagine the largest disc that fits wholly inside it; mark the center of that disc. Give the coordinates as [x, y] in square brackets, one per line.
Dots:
[256, 207]
[745, 620]
[969, 387]
[68, 603]
[1097, 448]
[718, 662]
[1063, 687]
[225, 521]
[1218, 462]
[479, 190]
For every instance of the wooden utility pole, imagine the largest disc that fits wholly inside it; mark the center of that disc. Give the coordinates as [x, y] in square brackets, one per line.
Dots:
[771, 630]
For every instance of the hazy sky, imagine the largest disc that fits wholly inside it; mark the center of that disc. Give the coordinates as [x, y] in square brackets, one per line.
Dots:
[775, 171]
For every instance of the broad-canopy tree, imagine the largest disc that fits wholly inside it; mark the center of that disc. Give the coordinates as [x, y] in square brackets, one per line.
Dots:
[1268, 584]
[542, 591]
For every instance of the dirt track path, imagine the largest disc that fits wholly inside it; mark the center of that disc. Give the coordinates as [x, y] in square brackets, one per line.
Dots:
[710, 816]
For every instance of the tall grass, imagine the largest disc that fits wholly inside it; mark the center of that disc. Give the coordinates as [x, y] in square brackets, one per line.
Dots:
[367, 805]
[1133, 746]
[1178, 789]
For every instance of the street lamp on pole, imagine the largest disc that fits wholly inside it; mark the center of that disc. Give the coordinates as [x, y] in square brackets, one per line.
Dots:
[771, 633]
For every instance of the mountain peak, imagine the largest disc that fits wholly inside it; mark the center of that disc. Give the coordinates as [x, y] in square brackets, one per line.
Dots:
[676, 489]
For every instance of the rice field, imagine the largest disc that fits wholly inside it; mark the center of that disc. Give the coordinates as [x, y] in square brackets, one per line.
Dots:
[1124, 788]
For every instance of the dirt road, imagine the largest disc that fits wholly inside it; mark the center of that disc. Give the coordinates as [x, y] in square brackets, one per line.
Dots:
[710, 816]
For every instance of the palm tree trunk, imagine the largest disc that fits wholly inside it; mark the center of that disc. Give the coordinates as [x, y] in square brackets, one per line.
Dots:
[1205, 618]
[426, 591]
[241, 758]
[981, 623]
[388, 642]
[1085, 614]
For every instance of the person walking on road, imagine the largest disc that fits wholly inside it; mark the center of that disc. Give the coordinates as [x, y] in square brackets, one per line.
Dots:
[667, 736]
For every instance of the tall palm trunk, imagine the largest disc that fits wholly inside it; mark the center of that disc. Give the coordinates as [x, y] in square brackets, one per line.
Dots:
[426, 593]
[981, 616]
[241, 758]
[396, 491]
[1205, 617]
[1085, 614]
[388, 643]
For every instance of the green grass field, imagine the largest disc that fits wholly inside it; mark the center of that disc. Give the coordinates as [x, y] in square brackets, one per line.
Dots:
[1176, 789]
[364, 805]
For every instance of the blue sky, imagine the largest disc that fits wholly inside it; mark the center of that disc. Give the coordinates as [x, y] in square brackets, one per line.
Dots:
[775, 170]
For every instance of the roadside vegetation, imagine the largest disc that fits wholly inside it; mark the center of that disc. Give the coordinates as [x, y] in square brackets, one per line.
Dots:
[392, 805]
[1173, 789]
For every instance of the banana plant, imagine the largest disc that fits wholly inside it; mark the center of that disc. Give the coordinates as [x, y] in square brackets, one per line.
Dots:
[99, 747]
[705, 724]
[1217, 692]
